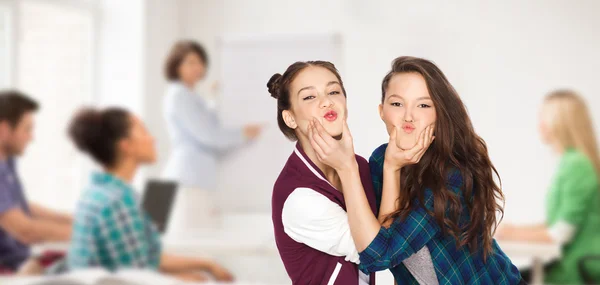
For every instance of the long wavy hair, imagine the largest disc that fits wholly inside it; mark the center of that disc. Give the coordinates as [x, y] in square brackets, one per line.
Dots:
[456, 147]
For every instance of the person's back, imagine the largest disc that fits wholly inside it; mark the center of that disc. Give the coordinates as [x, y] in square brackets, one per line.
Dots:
[576, 178]
[108, 211]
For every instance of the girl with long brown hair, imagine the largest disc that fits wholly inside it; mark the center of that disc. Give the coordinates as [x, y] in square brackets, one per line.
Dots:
[434, 184]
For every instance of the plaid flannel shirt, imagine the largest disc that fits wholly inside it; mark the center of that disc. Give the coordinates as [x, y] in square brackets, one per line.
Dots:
[453, 265]
[111, 230]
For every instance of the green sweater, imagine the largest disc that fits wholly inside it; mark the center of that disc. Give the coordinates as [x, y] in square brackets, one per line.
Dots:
[574, 197]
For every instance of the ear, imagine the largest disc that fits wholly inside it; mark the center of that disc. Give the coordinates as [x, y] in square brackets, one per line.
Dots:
[289, 120]
[381, 111]
[123, 147]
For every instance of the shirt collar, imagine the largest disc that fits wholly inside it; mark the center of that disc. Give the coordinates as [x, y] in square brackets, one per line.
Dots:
[103, 178]
[309, 164]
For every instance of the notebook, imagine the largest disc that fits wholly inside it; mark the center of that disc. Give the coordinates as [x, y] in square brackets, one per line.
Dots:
[157, 201]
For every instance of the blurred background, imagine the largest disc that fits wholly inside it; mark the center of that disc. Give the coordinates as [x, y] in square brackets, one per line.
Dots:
[502, 58]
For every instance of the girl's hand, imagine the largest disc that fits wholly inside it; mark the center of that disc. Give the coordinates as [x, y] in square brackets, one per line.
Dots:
[338, 154]
[396, 158]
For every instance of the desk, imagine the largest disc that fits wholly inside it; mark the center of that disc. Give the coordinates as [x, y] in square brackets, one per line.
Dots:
[531, 255]
[252, 256]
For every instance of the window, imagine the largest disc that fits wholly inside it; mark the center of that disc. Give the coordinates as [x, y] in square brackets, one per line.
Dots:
[55, 66]
[5, 64]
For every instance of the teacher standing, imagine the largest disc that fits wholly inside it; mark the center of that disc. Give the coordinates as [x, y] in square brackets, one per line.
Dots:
[197, 137]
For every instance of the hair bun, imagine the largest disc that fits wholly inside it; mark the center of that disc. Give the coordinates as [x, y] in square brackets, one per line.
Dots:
[84, 128]
[273, 85]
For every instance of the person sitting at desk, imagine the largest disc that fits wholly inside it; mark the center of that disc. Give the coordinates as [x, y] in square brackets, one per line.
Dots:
[22, 223]
[573, 202]
[111, 230]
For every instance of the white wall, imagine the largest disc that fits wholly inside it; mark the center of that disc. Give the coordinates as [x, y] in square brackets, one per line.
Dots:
[501, 57]
[121, 54]
[163, 27]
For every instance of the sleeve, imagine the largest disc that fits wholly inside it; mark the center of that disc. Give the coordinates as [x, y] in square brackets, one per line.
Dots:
[199, 123]
[401, 240]
[580, 187]
[376, 167]
[310, 218]
[7, 201]
[122, 227]
[562, 232]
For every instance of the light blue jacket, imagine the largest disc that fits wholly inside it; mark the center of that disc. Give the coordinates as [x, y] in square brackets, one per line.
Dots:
[197, 138]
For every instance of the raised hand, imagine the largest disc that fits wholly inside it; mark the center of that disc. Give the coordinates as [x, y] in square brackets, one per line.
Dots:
[338, 154]
[396, 158]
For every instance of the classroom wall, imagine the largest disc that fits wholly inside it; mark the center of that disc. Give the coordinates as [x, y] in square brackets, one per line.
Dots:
[163, 28]
[121, 61]
[501, 57]
[134, 39]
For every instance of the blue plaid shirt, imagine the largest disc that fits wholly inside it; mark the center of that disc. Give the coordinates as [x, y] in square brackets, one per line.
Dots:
[111, 230]
[453, 265]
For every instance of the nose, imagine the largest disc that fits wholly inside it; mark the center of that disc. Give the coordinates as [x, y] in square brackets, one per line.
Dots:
[326, 102]
[408, 117]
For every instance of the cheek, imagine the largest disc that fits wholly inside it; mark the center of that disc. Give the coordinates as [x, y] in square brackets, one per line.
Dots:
[544, 132]
[430, 117]
[187, 69]
[304, 113]
[392, 117]
[340, 102]
[23, 137]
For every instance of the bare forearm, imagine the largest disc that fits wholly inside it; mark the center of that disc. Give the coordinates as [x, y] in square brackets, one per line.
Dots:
[44, 213]
[530, 234]
[390, 194]
[47, 231]
[364, 226]
[172, 263]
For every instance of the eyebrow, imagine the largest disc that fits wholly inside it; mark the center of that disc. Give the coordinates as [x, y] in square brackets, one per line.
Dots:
[312, 87]
[420, 98]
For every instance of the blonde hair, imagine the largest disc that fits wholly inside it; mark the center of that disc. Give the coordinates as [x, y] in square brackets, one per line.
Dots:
[569, 121]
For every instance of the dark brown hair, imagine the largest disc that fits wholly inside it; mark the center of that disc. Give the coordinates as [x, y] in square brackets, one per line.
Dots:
[13, 105]
[97, 133]
[178, 52]
[456, 147]
[279, 88]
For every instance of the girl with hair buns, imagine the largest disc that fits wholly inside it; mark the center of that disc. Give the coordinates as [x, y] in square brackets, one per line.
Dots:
[308, 209]
[573, 201]
[111, 230]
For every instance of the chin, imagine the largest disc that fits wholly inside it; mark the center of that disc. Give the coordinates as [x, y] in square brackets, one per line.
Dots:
[335, 132]
[407, 142]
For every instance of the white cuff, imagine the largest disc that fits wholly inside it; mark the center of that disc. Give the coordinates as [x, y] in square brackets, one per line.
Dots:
[562, 232]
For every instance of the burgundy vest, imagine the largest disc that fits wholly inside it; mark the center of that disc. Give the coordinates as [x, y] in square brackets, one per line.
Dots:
[306, 265]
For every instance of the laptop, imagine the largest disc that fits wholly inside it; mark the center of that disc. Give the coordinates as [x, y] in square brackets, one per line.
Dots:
[158, 200]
